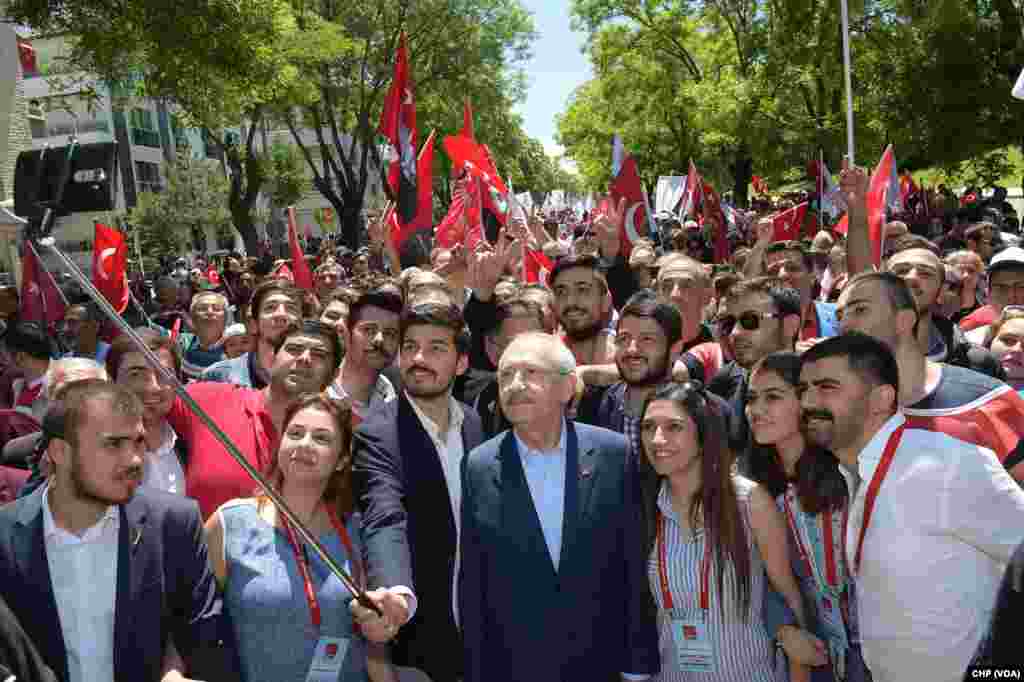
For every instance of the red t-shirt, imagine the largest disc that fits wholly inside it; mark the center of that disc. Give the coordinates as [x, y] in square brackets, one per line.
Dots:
[212, 476]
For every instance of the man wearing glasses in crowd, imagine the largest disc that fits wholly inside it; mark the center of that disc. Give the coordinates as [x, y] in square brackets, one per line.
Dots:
[760, 315]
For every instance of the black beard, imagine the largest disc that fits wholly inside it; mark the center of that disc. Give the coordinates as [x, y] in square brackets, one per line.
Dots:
[429, 393]
[586, 333]
[658, 373]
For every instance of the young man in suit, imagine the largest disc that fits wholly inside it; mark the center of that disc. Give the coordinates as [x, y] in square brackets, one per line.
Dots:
[553, 578]
[100, 573]
[406, 472]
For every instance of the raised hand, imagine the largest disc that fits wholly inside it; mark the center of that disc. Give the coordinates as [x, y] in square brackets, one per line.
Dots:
[853, 182]
[607, 228]
[487, 263]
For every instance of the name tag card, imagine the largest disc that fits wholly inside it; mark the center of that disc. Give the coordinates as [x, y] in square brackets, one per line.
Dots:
[328, 659]
[694, 650]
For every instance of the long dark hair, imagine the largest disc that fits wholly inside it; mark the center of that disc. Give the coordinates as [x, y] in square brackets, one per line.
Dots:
[715, 502]
[820, 486]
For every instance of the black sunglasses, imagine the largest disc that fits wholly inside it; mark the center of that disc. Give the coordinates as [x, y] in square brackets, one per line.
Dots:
[749, 320]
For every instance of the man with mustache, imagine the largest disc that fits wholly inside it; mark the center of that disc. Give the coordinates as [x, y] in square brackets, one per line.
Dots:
[758, 316]
[407, 457]
[954, 400]
[371, 342]
[306, 357]
[102, 574]
[926, 509]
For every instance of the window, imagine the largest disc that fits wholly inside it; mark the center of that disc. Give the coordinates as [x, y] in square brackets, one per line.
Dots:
[147, 177]
[144, 132]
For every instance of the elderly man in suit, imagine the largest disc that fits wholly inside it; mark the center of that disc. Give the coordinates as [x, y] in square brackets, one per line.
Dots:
[553, 580]
[407, 457]
[100, 573]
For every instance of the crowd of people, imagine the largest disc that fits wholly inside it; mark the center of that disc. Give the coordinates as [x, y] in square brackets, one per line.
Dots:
[796, 465]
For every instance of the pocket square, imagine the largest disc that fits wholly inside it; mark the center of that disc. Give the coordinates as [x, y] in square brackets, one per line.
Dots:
[586, 473]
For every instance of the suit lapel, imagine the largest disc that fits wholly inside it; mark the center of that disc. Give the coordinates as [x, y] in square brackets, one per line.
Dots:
[580, 473]
[33, 567]
[519, 515]
[423, 473]
[132, 545]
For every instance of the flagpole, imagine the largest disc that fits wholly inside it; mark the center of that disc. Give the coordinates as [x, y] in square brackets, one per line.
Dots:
[846, 74]
[171, 380]
[53, 280]
[821, 188]
[652, 227]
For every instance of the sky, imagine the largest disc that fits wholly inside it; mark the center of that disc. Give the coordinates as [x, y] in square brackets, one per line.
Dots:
[557, 67]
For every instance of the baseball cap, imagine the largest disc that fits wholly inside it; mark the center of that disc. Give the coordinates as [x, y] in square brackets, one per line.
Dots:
[1008, 257]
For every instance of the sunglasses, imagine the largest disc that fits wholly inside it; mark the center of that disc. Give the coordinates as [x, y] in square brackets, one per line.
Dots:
[749, 320]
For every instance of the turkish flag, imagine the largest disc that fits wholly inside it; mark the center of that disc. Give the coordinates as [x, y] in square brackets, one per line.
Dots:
[424, 220]
[474, 157]
[40, 300]
[694, 195]
[300, 268]
[110, 266]
[626, 185]
[398, 124]
[467, 121]
[714, 223]
[452, 230]
[878, 188]
[788, 223]
[537, 267]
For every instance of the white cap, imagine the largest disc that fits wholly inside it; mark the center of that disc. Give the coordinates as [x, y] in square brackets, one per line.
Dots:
[1013, 255]
[237, 329]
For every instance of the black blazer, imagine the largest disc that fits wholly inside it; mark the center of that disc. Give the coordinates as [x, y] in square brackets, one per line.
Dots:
[164, 582]
[409, 528]
[592, 618]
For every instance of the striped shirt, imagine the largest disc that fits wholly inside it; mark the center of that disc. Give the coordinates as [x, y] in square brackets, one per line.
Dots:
[743, 649]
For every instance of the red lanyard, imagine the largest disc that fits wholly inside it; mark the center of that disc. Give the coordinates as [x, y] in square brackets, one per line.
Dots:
[300, 559]
[705, 567]
[830, 557]
[876, 482]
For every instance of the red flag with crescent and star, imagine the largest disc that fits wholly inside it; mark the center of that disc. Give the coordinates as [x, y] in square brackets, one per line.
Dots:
[398, 125]
[40, 300]
[110, 265]
[626, 185]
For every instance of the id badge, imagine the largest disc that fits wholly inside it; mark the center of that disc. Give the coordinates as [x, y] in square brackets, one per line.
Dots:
[694, 651]
[328, 659]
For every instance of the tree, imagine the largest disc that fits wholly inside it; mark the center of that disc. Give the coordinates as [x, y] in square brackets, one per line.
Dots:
[192, 204]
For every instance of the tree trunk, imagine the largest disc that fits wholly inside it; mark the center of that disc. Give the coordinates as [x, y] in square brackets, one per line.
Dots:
[742, 169]
[246, 227]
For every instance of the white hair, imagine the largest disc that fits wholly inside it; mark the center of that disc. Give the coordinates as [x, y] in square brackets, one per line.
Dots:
[549, 347]
[65, 370]
[200, 294]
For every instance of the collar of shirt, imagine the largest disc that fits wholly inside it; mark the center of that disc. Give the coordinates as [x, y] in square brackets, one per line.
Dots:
[664, 501]
[53, 534]
[382, 392]
[937, 350]
[525, 450]
[455, 418]
[871, 454]
[167, 443]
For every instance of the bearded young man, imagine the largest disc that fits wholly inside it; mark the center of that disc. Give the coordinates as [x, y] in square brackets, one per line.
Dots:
[583, 306]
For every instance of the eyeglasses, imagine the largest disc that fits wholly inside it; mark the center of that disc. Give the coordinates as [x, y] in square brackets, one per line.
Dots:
[750, 320]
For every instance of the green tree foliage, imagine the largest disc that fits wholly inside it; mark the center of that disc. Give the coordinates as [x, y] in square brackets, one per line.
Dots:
[193, 202]
[747, 86]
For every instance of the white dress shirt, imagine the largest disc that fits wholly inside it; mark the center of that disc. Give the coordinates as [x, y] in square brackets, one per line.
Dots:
[163, 468]
[83, 572]
[545, 477]
[945, 522]
[451, 453]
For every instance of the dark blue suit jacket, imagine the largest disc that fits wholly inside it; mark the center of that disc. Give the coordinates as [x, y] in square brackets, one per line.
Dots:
[409, 528]
[164, 582]
[523, 620]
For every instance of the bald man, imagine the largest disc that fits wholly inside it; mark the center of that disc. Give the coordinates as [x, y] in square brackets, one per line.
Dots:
[543, 504]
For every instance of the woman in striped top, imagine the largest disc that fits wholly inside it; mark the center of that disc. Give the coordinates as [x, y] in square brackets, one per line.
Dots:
[811, 493]
[710, 537]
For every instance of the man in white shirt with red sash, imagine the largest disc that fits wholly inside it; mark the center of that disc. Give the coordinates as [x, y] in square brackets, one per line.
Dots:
[933, 519]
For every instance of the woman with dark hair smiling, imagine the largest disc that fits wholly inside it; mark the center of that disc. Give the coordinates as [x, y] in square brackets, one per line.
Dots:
[711, 535]
[810, 491]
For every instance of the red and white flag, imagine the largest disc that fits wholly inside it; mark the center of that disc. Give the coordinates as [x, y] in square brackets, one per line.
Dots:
[536, 267]
[626, 185]
[788, 223]
[40, 299]
[300, 268]
[110, 266]
[401, 231]
[398, 125]
[694, 195]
